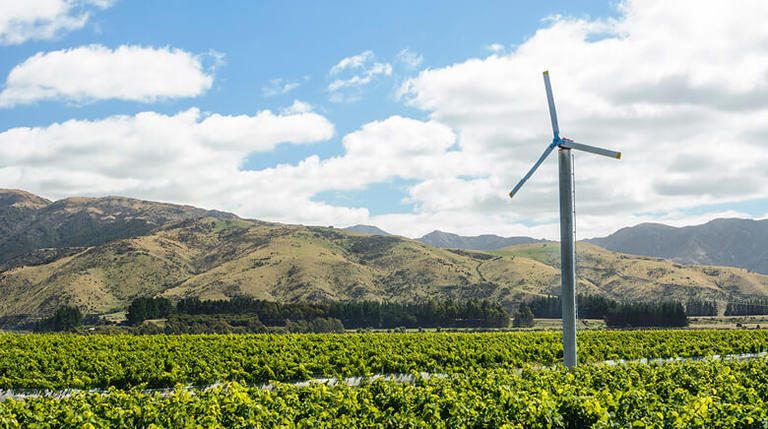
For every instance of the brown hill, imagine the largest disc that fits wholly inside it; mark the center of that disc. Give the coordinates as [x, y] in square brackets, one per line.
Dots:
[640, 278]
[29, 223]
[99, 254]
[214, 258]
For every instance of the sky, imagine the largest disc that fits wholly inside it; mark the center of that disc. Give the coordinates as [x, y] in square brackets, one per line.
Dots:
[411, 116]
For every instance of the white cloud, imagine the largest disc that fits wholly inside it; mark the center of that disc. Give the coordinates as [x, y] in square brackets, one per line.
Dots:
[357, 71]
[409, 58]
[279, 86]
[679, 87]
[23, 20]
[495, 48]
[186, 157]
[353, 62]
[95, 72]
[360, 80]
[298, 106]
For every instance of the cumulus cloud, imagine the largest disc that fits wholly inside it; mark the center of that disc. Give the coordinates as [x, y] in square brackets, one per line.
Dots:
[678, 87]
[25, 20]
[188, 157]
[96, 72]
[675, 86]
[352, 73]
[298, 106]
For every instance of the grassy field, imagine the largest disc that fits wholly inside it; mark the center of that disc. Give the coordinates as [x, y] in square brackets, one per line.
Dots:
[557, 324]
[729, 322]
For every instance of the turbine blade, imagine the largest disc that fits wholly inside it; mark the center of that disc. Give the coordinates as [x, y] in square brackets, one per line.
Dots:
[591, 149]
[530, 172]
[551, 101]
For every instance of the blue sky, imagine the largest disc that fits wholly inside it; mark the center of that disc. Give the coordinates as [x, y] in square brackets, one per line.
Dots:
[412, 116]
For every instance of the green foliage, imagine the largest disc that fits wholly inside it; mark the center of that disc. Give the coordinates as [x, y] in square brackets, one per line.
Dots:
[431, 314]
[143, 308]
[360, 314]
[213, 324]
[523, 317]
[643, 314]
[750, 307]
[706, 394]
[697, 307]
[59, 361]
[589, 306]
[65, 318]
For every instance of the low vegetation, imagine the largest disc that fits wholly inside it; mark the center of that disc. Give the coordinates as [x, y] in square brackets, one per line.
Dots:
[60, 361]
[676, 395]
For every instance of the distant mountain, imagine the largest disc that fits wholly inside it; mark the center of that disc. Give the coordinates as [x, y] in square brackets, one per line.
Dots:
[732, 242]
[366, 229]
[481, 242]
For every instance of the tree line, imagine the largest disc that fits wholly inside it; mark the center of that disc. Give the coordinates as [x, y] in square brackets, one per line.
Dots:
[472, 313]
[696, 307]
[625, 315]
[588, 306]
[750, 307]
[647, 314]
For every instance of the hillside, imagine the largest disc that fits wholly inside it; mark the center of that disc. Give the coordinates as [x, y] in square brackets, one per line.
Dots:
[638, 278]
[481, 242]
[213, 258]
[29, 223]
[731, 242]
[99, 254]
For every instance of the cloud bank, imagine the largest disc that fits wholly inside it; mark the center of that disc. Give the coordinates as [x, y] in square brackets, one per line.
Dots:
[95, 72]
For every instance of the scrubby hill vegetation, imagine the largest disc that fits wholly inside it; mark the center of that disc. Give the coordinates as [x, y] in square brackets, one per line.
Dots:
[100, 254]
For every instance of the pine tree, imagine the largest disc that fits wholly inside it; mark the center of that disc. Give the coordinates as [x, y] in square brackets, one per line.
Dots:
[523, 317]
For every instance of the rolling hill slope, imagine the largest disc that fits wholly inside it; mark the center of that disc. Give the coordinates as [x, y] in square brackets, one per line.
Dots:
[180, 251]
[626, 277]
[28, 222]
[213, 258]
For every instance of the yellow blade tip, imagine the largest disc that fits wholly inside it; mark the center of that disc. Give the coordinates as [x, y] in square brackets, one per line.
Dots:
[618, 155]
[511, 195]
[546, 71]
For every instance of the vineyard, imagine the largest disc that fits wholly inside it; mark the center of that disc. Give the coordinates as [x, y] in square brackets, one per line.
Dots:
[484, 380]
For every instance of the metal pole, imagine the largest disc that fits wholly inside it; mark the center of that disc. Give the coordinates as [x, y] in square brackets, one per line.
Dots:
[567, 257]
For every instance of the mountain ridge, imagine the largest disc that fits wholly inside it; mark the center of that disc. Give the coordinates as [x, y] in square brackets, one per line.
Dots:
[366, 229]
[726, 241]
